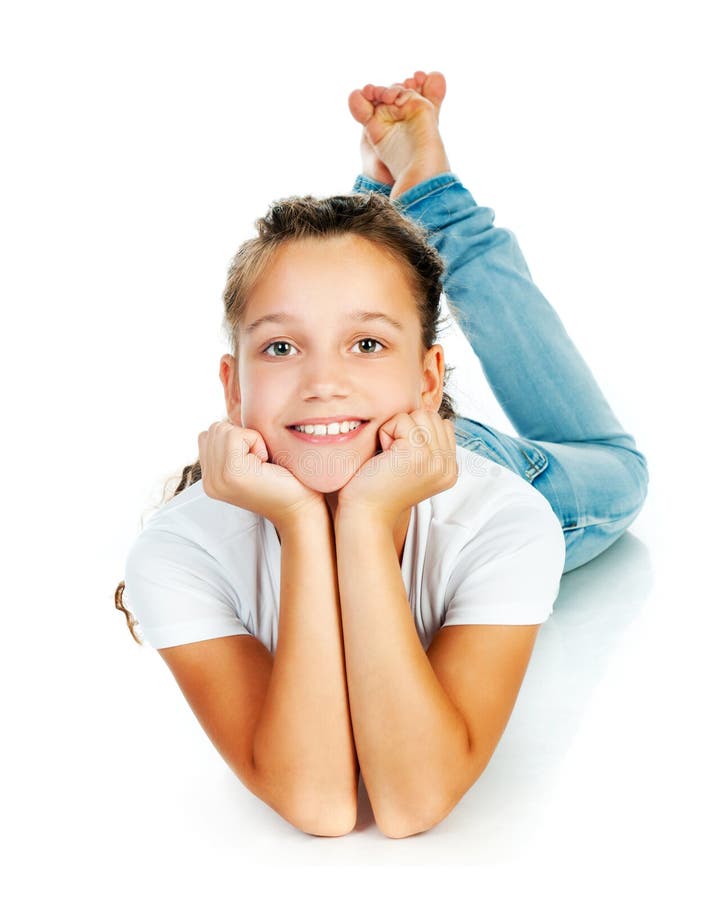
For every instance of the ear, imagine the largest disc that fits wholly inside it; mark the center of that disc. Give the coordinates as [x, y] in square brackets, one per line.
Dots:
[229, 376]
[434, 367]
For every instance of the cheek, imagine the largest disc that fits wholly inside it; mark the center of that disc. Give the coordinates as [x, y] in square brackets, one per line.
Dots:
[255, 414]
[258, 396]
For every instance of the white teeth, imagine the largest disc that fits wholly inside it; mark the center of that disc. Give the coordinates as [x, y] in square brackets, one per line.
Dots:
[332, 428]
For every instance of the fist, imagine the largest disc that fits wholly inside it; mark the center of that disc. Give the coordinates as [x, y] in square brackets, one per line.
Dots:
[235, 468]
[418, 460]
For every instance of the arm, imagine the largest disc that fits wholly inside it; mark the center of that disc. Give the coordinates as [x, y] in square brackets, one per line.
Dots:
[408, 733]
[298, 745]
[303, 743]
[425, 724]
[281, 722]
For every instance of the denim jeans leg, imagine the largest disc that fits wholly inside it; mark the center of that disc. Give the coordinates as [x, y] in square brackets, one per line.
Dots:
[571, 446]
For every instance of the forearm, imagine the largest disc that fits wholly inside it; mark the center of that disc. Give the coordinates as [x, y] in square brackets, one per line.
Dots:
[406, 728]
[303, 741]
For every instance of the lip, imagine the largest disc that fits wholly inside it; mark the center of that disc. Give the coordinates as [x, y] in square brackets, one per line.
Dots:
[327, 438]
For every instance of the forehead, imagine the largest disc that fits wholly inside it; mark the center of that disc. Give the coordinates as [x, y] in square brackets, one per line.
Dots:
[349, 267]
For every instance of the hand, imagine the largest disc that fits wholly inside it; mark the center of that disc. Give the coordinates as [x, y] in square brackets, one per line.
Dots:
[235, 468]
[418, 461]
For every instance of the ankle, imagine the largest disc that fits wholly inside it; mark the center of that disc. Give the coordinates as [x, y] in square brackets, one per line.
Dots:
[415, 174]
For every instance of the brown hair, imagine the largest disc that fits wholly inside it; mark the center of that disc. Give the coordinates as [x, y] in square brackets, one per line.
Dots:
[369, 215]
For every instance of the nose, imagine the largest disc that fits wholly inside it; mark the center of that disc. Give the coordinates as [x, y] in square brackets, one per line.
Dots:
[325, 379]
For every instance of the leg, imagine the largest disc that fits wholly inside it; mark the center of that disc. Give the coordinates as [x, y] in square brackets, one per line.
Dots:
[534, 369]
[570, 441]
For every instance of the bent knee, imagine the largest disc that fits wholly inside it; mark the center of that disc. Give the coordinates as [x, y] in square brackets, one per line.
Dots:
[640, 470]
[586, 543]
[634, 489]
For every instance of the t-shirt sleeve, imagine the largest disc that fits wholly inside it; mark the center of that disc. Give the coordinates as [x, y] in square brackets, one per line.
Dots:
[509, 572]
[178, 592]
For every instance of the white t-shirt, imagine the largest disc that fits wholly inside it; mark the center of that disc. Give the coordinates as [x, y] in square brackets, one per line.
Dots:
[489, 550]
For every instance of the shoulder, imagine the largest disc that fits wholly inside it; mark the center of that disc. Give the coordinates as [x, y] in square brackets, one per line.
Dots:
[193, 538]
[492, 514]
[193, 517]
[188, 572]
[501, 545]
[483, 490]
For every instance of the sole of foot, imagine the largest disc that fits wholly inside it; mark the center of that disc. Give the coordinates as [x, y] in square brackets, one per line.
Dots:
[401, 144]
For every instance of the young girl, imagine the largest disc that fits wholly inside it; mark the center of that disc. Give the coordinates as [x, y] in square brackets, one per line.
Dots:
[351, 578]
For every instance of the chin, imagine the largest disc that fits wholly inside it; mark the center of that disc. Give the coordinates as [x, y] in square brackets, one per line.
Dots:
[326, 473]
[328, 484]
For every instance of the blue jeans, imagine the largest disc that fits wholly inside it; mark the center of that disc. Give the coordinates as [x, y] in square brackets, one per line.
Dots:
[570, 445]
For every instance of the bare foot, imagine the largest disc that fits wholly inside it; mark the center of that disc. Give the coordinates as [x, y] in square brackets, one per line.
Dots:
[431, 85]
[372, 165]
[401, 144]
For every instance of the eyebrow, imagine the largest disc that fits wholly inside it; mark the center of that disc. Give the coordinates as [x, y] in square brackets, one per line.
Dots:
[359, 315]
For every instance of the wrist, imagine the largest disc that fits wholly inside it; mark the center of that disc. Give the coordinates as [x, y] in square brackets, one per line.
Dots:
[312, 515]
[419, 173]
[364, 515]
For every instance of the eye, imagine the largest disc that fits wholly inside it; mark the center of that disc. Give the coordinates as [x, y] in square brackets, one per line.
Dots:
[277, 344]
[370, 340]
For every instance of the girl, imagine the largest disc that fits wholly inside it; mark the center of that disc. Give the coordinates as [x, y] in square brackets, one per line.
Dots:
[351, 578]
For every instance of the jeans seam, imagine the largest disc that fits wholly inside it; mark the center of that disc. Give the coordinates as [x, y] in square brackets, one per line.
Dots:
[597, 523]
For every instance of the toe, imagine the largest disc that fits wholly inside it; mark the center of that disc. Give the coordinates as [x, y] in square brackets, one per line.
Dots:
[404, 96]
[360, 107]
[435, 87]
[391, 93]
[378, 91]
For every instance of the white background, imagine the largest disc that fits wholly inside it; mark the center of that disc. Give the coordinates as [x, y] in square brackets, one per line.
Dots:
[141, 142]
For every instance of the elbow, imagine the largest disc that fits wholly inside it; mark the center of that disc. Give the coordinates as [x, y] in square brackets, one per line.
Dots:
[400, 832]
[396, 824]
[322, 808]
[335, 822]
[401, 828]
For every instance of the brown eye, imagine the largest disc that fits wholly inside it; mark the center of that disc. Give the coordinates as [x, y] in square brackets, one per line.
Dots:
[368, 341]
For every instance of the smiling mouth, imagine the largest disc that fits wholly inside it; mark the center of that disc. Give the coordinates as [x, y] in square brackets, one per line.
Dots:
[321, 429]
[338, 433]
